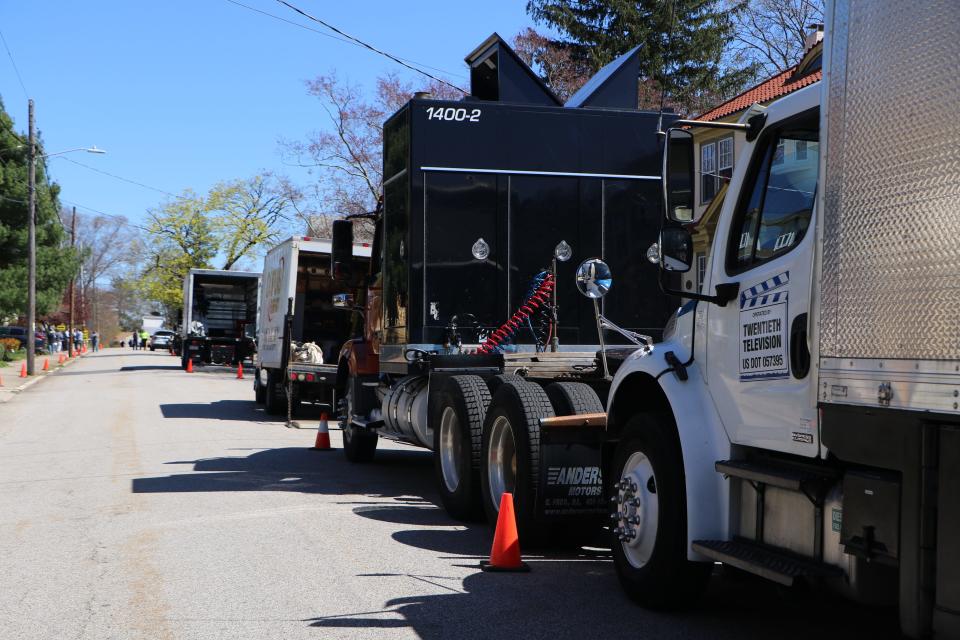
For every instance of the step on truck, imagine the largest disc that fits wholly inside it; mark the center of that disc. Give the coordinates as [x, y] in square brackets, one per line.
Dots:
[300, 330]
[474, 327]
[800, 419]
[219, 324]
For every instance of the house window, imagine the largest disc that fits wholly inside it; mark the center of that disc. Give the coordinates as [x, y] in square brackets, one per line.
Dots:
[716, 167]
[725, 161]
[701, 270]
[801, 149]
[708, 172]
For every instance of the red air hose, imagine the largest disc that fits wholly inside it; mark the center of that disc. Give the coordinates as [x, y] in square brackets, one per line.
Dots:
[537, 299]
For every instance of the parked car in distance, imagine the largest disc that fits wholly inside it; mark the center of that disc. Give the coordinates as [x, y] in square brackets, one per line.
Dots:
[20, 333]
[161, 339]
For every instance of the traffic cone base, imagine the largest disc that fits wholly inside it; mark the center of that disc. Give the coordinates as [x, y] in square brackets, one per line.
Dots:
[23, 370]
[322, 442]
[240, 371]
[505, 553]
[189, 365]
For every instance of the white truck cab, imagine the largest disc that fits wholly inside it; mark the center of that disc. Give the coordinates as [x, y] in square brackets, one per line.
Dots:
[799, 419]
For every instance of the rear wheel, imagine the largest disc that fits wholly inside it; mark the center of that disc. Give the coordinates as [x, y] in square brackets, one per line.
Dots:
[457, 411]
[650, 526]
[571, 398]
[359, 444]
[259, 391]
[495, 382]
[510, 454]
[274, 401]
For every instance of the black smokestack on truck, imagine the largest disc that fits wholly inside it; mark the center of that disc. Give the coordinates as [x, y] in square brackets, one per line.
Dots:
[489, 205]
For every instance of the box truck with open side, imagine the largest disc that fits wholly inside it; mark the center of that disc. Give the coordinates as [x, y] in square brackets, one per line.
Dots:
[300, 330]
[219, 316]
[800, 419]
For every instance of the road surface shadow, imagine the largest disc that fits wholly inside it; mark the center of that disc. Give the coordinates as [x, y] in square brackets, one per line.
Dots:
[245, 410]
[303, 470]
[152, 367]
[578, 597]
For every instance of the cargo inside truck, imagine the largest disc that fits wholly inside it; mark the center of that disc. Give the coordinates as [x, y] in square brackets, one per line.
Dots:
[219, 316]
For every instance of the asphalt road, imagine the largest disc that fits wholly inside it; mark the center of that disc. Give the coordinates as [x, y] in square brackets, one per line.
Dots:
[139, 501]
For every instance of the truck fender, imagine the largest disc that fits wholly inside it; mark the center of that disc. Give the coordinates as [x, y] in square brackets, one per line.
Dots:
[356, 358]
[703, 441]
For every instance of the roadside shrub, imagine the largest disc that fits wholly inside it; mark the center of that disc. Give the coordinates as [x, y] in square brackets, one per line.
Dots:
[10, 344]
[3, 353]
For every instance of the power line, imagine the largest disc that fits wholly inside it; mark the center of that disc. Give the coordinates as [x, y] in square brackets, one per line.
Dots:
[333, 37]
[112, 216]
[368, 46]
[12, 132]
[13, 62]
[116, 177]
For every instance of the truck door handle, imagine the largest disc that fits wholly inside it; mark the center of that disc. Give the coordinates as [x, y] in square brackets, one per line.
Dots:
[799, 354]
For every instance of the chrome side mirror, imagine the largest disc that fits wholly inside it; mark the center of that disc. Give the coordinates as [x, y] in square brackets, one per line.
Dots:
[594, 278]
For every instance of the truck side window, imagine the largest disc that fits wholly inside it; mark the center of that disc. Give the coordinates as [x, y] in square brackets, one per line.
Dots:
[777, 213]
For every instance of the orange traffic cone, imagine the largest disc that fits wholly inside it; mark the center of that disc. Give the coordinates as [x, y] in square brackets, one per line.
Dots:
[323, 435]
[23, 370]
[83, 349]
[505, 553]
[60, 359]
[189, 365]
[240, 371]
[46, 364]
[1, 381]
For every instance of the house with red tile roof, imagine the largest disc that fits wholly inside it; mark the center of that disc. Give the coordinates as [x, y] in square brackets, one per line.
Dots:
[716, 150]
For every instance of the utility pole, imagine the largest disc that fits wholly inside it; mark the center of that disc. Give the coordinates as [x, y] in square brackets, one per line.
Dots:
[73, 280]
[32, 247]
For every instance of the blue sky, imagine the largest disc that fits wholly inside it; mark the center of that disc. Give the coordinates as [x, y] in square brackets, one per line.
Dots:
[185, 93]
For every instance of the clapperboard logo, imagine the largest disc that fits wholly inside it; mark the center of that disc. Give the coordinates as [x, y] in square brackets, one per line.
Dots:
[753, 294]
[763, 329]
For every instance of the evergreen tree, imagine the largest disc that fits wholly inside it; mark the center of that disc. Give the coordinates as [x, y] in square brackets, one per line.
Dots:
[684, 43]
[57, 263]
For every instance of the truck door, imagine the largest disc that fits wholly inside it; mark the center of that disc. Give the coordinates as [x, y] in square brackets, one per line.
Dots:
[757, 356]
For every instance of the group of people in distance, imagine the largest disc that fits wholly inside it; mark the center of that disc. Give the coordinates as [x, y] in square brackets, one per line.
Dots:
[138, 340]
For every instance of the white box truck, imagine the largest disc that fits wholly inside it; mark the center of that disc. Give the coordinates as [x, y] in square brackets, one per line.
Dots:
[301, 332]
[219, 316]
[801, 418]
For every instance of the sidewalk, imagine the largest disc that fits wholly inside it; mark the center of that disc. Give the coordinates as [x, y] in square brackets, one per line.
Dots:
[14, 384]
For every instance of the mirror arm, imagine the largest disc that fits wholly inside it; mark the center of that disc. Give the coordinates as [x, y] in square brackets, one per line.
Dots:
[726, 292]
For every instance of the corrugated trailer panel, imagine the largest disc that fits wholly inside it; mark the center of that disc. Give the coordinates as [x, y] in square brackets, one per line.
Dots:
[890, 271]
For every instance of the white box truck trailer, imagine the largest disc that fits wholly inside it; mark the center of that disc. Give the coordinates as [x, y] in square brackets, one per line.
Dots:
[801, 418]
[219, 316]
[301, 332]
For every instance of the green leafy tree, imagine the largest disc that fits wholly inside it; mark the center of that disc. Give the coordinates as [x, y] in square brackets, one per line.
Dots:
[684, 44]
[57, 263]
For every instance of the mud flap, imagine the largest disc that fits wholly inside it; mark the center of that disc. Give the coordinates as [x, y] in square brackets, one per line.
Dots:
[571, 474]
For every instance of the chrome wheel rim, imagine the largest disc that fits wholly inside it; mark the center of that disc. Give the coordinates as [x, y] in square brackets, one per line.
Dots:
[501, 460]
[451, 448]
[636, 511]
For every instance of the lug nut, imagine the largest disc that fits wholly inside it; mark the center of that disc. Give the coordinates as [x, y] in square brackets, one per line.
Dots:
[635, 502]
[634, 520]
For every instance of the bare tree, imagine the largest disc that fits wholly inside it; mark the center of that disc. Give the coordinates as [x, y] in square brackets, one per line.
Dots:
[346, 156]
[771, 33]
[553, 62]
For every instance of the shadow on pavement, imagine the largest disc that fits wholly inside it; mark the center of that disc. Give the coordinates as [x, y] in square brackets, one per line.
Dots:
[578, 597]
[303, 470]
[572, 594]
[152, 367]
[245, 410]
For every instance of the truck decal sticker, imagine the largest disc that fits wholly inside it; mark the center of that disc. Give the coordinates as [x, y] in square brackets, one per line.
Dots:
[777, 281]
[763, 335]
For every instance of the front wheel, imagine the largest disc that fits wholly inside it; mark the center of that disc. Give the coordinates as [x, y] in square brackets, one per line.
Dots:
[649, 517]
[359, 444]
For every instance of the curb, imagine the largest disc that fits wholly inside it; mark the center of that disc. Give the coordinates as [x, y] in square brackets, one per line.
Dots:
[8, 393]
